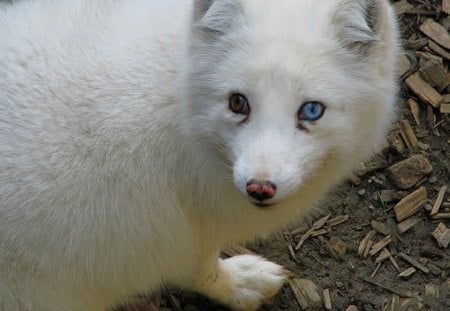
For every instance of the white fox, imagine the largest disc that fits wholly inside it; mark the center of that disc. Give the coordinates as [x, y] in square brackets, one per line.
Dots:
[139, 137]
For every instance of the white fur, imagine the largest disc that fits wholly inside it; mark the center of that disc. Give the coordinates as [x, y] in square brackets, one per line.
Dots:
[122, 168]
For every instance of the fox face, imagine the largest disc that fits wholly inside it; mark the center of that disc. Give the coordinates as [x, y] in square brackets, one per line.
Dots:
[289, 95]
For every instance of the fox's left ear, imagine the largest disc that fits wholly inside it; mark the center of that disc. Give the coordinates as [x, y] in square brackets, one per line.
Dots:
[214, 18]
[200, 8]
[359, 22]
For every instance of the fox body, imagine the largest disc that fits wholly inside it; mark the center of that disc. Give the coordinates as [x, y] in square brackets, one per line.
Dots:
[138, 138]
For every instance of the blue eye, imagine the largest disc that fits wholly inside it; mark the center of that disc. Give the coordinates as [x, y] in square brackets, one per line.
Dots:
[311, 111]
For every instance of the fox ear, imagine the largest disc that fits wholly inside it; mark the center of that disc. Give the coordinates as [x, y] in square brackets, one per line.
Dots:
[200, 8]
[358, 24]
[215, 17]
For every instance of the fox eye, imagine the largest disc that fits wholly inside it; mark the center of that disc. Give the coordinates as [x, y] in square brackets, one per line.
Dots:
[311, 111]
[239, 104]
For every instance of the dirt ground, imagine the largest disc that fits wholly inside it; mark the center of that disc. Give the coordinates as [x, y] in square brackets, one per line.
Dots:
[350, 278]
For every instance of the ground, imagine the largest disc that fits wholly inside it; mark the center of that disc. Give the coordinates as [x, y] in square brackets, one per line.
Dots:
[352, 279]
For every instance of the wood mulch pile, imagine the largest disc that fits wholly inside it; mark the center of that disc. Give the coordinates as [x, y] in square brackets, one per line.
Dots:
[384, 242]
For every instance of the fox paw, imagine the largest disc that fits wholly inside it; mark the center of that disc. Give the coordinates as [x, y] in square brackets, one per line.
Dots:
[255, 279]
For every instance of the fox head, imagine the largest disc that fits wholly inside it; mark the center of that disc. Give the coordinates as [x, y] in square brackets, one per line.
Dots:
[285, 90]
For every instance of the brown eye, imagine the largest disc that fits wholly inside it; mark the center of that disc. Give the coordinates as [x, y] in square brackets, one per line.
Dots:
[239, 104]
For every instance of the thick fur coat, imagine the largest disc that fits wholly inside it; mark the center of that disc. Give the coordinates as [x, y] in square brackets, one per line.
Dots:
[122, 166]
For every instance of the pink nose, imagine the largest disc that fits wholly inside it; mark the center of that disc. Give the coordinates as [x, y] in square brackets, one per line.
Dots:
[261, 189]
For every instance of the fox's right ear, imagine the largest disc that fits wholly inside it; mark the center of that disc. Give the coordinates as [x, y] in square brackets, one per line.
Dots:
[215, 17]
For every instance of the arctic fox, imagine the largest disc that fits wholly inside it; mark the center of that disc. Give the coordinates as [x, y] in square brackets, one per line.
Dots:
[138, 138]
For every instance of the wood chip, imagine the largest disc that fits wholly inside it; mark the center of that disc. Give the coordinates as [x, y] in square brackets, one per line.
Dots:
[442, 235]
[352, 308]
[404, 65]
[362, 168]
[402, 7]
[397, 290]
[446, 6]
[393, 305]
[397, 143]
[303, 239]
[441, 216]
[385, 254]
[414, 262]
[446, 99]
[408, 136]
[363, 245]
[432, 69]
[445, 108]
[415, 110]
[291, 252]
[395, 264]
[320, 232]
[380, 227]
[376, 270]
[355, 179]
[407, 224]
[321, 227]
[432, 291]
[320, 223]
[411, 304]
[407, 273]
[423, 90]
[423, 146]
[431, 118]
[409, 172]
[416, 44]
[327, 299]
[375, 165]
[436, 32]
[438, 50]
[306, 292]
[410, 204]
[387, 196]
[380, 245]
[338, 246]
[437, 204]
[369, 245]
[337, 220]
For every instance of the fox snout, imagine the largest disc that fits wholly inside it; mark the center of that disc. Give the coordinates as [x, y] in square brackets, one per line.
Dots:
[261, 189]
[261, 171]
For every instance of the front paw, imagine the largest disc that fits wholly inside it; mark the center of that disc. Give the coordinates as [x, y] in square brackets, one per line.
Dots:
[255, 281]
